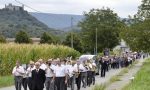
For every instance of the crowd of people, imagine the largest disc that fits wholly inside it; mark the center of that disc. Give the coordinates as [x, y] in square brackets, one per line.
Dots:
[57, 74]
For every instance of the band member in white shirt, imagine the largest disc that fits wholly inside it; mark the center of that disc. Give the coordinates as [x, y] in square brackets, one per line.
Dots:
[18, 72]
[29, 74]
[93, 71]
[78, 67]
[25, 79]
[70, 72]
[84, 75]
[89, 73]
[60, 76]
[42, 64]
[50, 76]
[54, 63]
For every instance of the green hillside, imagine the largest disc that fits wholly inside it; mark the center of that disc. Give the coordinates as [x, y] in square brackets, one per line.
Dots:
[13, 21]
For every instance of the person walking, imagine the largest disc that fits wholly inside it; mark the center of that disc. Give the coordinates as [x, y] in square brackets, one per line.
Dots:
[38, 77]
[25, 79]
[84, 75]
[103, 66]
[29, 74]
[60, 76]
[70, 72]
[18, 72]
[50, 76]
[78, 67]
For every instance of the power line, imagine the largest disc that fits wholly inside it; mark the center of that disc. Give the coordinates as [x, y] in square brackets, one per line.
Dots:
[28, 6]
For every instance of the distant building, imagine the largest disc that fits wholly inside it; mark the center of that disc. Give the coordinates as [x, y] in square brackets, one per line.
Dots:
[13, 7]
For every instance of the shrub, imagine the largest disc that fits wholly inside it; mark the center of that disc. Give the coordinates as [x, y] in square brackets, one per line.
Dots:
[2, 39]
[46, 38]
[22, 37]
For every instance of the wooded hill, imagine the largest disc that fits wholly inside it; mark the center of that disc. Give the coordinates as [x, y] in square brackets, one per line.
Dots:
[13, 21]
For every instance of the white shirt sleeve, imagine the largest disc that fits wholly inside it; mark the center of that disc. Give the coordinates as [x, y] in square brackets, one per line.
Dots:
[81, 67]
[14, 70]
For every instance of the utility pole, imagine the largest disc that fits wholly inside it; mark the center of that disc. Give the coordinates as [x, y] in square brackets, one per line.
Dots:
[71, 32]
[96, 42]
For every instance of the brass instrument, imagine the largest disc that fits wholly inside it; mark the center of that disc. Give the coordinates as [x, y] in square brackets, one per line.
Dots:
[78, 72]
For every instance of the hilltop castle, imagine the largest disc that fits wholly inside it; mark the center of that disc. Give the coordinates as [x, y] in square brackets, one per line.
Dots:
[13, 7]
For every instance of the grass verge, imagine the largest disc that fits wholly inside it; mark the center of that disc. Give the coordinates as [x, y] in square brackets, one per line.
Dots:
[99, 87]
[6, 81]
[142, 78]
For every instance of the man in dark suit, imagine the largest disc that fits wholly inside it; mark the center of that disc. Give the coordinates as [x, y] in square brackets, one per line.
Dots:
[38, 77]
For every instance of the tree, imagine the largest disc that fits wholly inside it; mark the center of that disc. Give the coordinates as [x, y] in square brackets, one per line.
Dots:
[144, 10]
[22, 37]
[77, 43]
[108, 27]
[137, 34]
[2, 39]
[46, 38]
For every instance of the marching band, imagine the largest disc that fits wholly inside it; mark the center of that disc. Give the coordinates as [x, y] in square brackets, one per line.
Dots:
[57, 74]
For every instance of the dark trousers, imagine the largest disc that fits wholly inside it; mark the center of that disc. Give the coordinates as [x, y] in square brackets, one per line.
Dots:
[49, 85]
[71, 82]
[60, 83]
[84, 79]
[107, 67]
[103, 71]
[78, 82]
[30, 83]
[18, 81]
[117, 65]
[37, 88]
[24, 83]
[93, 77]
[89, 78]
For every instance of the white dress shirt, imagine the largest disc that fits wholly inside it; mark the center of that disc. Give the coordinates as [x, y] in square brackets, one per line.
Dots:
[29, 71]
[81, 68]
[60, 71]
[70, 70]
[49, 71]
[43, 66]
[18, 71]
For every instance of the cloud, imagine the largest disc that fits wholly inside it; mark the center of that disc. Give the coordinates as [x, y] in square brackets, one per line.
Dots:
[122, 7]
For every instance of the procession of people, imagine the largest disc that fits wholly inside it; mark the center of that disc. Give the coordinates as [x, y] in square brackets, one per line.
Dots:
[66, 74]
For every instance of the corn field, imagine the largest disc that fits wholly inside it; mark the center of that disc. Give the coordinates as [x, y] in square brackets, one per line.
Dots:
[10, 53]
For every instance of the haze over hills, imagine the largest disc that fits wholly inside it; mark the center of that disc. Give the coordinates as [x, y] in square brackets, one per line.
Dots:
[14, 19]
[58, 21]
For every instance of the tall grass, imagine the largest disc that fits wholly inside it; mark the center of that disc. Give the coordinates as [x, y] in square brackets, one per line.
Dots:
[9, 53]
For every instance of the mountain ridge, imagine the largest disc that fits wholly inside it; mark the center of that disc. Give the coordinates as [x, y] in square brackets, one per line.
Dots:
[58, 21]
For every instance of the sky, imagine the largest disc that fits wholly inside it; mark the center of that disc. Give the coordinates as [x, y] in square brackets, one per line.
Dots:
[122, 7]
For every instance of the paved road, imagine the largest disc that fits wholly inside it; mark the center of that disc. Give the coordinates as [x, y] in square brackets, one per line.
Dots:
[125, 79]
[99, 80]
